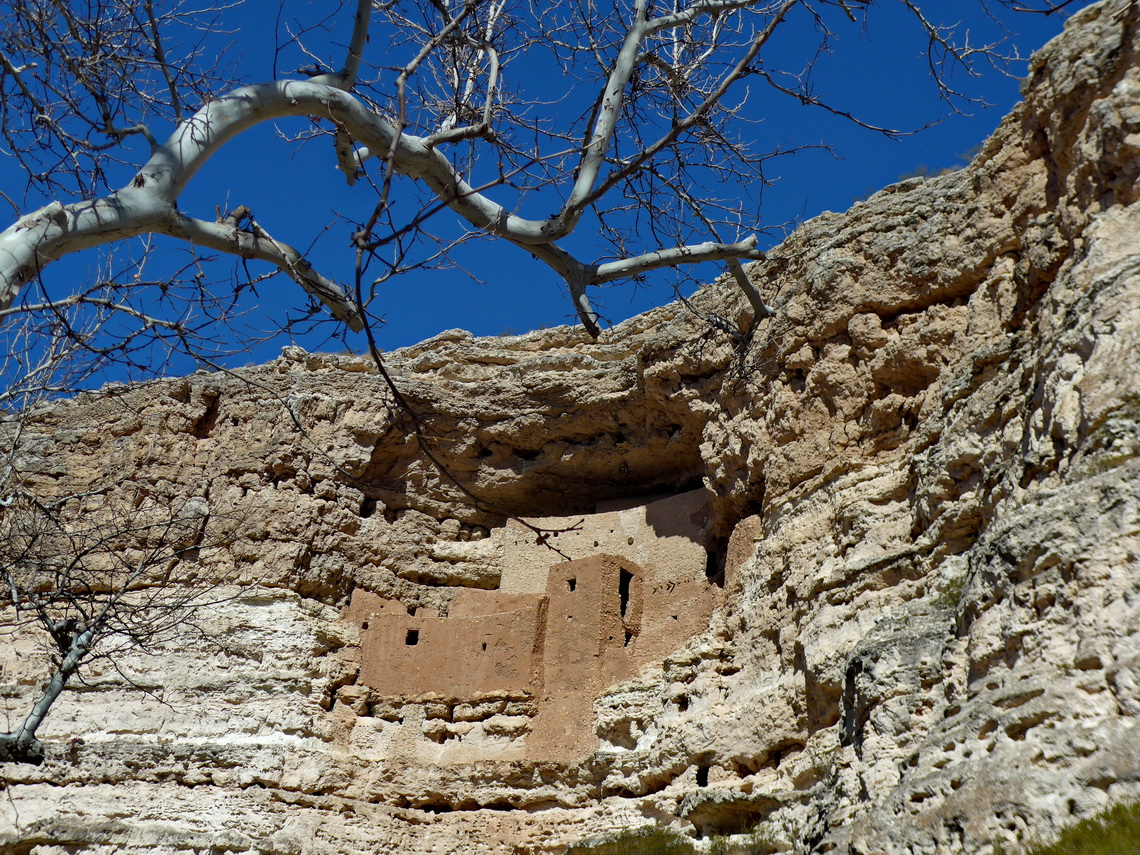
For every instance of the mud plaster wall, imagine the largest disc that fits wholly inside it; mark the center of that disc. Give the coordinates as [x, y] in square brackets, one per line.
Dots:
[597, 620]
[497, 650]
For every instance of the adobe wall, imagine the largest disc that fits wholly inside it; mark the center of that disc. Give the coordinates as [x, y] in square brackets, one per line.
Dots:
[491, 644]
[592, 624]
[556, 634]
[668, 537]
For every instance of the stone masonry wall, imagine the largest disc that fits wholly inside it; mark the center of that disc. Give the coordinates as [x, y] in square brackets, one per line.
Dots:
[595, 621]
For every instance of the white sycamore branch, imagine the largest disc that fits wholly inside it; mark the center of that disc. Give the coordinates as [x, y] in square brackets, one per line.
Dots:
[149, 203]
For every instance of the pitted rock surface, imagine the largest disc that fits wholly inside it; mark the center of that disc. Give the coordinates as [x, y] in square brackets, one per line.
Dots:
[916, 563]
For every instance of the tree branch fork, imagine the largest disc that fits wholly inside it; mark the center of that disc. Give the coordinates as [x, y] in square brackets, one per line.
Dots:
[148, 204]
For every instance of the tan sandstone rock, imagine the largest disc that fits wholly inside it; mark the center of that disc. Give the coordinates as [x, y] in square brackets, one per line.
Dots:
[881, 585]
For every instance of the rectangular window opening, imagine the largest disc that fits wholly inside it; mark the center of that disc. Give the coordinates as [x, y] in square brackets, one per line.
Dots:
[412, 638]
[625, 580]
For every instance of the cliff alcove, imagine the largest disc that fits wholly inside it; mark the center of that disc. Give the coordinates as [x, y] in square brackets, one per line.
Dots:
[919, 480]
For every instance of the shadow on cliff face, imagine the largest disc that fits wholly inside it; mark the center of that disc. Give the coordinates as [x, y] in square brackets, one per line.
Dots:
[555, 432]
[917, 388]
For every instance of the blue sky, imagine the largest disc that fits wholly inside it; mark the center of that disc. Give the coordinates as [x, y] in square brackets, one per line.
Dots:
[296, 193]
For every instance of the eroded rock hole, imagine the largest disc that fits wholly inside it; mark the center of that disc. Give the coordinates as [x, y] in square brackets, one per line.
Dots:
[714, 566]
[305, 561]
[854, 710]
[204, 426]
[367, 508]
[702, 776]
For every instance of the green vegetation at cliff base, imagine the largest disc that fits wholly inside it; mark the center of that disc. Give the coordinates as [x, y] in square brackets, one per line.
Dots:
[1116, 831]
[662, 841]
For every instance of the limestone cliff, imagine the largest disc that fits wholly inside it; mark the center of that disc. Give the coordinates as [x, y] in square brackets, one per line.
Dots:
[898, 531]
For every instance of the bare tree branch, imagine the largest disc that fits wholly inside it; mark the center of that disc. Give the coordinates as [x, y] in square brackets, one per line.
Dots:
[257, 243]
[663, 79]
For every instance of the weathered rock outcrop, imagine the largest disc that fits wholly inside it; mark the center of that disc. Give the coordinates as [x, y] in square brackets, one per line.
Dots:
[917, 570]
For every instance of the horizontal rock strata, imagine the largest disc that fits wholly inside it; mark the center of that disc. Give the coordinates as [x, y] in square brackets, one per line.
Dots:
[914, 576]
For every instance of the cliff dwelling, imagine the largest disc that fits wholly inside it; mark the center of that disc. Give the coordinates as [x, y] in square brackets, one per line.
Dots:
[903, 618]
[517, 669]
